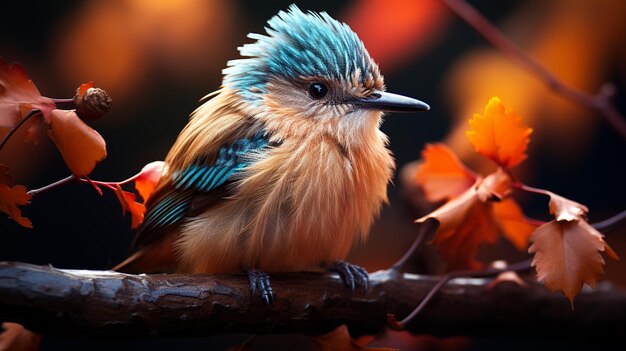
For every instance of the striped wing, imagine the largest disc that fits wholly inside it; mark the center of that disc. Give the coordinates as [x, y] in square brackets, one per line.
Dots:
[197, 187]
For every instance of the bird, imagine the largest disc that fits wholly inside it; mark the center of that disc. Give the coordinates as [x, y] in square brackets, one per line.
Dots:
[282, 168]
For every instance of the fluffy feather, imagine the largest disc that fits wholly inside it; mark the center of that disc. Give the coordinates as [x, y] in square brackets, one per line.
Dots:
[298, 203]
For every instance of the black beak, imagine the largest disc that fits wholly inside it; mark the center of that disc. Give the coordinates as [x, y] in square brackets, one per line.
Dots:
[389, 102]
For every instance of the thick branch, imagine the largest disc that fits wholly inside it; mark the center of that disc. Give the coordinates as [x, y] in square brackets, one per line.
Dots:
[108, 304]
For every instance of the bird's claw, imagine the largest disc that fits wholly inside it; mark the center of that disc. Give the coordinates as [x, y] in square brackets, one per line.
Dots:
[261, 281]
[351, 274]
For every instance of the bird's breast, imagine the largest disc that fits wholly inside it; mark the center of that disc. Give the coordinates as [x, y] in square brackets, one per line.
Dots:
[300, 205]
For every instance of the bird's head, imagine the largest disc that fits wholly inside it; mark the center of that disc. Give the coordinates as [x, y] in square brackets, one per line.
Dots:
[311, 70]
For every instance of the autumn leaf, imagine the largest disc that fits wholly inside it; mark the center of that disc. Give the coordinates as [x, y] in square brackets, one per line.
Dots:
[477, 217]
[567, 254]
[11, 197]
[565, 209]
[148, 178]
[515, 226]
[80, 145]
[33, 129]
[340, 340]
[82, 89]
[465, 224]
[567, 249]
[14, 337]
[441, 174]
[129, 204]
[19, 95]
[499, 135]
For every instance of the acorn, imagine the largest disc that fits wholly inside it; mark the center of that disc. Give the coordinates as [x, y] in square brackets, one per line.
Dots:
[91, 103]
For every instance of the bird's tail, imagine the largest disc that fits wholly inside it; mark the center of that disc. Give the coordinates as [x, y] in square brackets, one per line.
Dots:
[156, 258]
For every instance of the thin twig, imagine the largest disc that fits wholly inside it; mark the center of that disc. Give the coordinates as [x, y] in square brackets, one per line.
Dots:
[611, 222]
[602, 226]
[424, 230]
[96, 184]
[17, 126]
[62, 100]
[488, 272]
[600, 102]
[58, 183]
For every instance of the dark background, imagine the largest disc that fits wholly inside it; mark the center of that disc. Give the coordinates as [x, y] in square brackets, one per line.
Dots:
[158, 75]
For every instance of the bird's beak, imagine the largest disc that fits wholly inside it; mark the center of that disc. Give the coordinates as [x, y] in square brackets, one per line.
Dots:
[389, 102]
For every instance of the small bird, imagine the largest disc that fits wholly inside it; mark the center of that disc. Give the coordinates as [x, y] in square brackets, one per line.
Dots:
[283, 167]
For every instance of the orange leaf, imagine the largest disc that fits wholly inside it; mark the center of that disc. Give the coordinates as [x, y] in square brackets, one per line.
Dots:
[11, 197]
[515, 227]
[466, 222]
[567, 254]
[80, 145]
[340, 340]
[148, 179]
[19, 95]
[499, 135]
[82, 89]
[441, 174]
[129, 203]
[477, 217]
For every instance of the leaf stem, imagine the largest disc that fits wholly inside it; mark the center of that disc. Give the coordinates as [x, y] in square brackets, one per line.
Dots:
[531, 189]
[17, 126]
[56, 184]
[600, 102]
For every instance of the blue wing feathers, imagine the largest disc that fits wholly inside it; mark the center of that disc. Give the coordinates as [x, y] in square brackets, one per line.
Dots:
[202, 177]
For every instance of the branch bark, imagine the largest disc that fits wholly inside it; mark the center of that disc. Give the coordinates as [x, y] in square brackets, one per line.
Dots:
[107, 304]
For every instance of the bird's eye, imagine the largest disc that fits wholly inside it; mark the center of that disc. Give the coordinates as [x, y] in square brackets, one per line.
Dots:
[318, 90]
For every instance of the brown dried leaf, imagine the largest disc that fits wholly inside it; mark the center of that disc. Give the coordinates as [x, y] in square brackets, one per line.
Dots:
[567, 254]
[19, 95]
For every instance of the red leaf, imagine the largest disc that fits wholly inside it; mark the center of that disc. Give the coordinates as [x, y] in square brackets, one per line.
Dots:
[11, 197]
[80, 145]
[82, 89]
[129, 203]
[19, 95]
[148, 178]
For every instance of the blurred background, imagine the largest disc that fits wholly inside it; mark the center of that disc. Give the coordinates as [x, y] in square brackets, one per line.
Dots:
[158, 58]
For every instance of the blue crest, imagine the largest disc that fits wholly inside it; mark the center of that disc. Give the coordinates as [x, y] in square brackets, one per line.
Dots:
[299, 45]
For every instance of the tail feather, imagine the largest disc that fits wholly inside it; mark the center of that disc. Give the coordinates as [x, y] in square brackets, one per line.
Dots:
[156, 258]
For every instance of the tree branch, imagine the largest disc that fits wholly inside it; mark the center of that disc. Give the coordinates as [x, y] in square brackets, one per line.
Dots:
[114, 305]
[601, 102]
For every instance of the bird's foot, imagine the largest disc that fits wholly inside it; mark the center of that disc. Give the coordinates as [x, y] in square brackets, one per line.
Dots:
[351, 274]
[260, 281]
